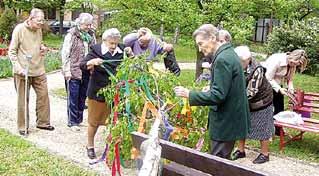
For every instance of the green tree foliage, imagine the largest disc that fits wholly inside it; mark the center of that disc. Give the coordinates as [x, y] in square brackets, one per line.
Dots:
[7, 22]
[29, 4]
[302, 34]
[237, 16]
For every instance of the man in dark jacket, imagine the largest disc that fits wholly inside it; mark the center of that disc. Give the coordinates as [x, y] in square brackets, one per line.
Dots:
[229, 110]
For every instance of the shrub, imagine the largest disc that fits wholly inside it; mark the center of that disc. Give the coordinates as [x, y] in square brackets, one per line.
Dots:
[8, 20]
[52, 62]
[301, 34]
[5, 68]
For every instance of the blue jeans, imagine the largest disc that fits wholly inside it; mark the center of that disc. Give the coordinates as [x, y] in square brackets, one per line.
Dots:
[76, 94]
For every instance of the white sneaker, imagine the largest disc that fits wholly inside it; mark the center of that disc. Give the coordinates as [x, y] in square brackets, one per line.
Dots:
[75, 128]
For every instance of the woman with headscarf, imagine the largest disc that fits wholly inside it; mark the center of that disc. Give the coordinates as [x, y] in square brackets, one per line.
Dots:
[75, 47]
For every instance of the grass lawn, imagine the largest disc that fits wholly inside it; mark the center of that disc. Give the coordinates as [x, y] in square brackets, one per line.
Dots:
[185, 53]
[20, 157]
[53, 41]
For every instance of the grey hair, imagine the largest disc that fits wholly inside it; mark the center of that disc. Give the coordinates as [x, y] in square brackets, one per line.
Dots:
[243, 52]
[206, 30]
[35, 12]
[224, 34]
[147, 32]
[111, 33]
[84, 18]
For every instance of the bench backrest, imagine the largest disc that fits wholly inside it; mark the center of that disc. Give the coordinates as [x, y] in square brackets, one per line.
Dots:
[185, 157]
[308, 102]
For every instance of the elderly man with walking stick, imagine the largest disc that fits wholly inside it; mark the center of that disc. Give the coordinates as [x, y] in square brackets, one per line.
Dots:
[26, 53]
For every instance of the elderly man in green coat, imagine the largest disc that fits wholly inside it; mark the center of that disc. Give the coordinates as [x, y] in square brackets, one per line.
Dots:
[229, 110]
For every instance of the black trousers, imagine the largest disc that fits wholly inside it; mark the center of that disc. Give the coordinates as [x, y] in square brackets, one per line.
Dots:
[222, 149]
[171, 63]
[278, 102]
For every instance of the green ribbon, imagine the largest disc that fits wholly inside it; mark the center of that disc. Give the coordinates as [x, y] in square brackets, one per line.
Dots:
[128, 107]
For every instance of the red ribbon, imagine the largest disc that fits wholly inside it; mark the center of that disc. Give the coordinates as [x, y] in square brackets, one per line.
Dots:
[116, 165]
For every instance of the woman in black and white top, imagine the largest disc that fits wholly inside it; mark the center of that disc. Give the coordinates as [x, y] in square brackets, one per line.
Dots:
[98, 110]
[260, 96]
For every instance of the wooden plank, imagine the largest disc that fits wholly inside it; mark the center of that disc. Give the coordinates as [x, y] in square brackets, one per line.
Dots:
[306, 109]
[174, 169]
[311, 98]
[200, 161]
[312, 94]
[311, 120]
[307, 126]
[313, 105]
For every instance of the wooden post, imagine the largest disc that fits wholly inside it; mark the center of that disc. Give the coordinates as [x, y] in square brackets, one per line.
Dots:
[199, 62]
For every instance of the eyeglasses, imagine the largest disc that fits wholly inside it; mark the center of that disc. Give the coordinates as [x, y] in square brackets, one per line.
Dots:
[38, 21]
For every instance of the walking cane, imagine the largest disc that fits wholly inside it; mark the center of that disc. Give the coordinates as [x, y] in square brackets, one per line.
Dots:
[26, 116]
[68, 99]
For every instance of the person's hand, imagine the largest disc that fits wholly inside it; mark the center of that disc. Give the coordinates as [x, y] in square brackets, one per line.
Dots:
[283, 91]
[129, 51]
[43, 50]
[21, 71]
[205, 89]
[67, 78]
[91, 63]
[206, 65]
[167, 47]
[291, 90]
[181, 91]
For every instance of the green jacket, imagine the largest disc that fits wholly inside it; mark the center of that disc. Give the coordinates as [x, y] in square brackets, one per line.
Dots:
[229, 117]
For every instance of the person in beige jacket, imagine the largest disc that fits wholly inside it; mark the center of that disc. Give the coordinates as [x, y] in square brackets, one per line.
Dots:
[27, 40]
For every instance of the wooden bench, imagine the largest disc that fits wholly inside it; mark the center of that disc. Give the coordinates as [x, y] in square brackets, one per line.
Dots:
[310, 125]
[307, 103]
[187, 161]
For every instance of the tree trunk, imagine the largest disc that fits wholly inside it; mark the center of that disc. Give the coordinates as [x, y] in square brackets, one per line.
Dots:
[176, 35]
[62, 3]
[162, 31]
[199, 62]
[61, 22]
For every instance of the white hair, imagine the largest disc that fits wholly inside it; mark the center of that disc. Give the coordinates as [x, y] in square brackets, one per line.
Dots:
[223, 34]
[243, 52]
[111, 33]
[206, 30]
[84, 18]
[35, 12]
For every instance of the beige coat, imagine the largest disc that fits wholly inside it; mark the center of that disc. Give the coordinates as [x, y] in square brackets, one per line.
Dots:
[26, 41]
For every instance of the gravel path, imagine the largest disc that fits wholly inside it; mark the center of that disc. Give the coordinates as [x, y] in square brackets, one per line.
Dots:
[71, 145]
